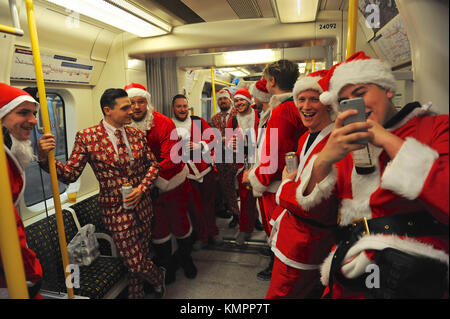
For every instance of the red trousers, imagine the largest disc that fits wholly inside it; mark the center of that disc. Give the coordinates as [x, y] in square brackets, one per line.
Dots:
[202, 208]
[171, 214]
[268, 204]
[248, 211]
[291, 283]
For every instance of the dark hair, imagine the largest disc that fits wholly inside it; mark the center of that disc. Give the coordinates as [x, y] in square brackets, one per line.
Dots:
[178, 96]
[109, 97]
[285, 73]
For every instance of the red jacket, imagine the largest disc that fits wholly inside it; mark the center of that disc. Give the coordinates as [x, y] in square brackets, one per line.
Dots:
[161, 141]
[33, 270]
[286, 124]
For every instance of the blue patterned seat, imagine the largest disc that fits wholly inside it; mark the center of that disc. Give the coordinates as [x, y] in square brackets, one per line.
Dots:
[97, 280]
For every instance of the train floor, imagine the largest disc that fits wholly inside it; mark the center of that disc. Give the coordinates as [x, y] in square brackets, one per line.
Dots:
[227, 271]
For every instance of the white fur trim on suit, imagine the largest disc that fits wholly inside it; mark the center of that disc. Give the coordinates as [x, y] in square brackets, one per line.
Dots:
[355, 267]
[165, 185]
[257, 188]
[280, 189]
[283, 258]
[198, 176]
[277, 99]
[320, 192]
[22, 174]
[406, 174]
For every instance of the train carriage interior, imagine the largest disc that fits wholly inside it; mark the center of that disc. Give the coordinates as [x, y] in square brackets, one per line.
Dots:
[196, 47]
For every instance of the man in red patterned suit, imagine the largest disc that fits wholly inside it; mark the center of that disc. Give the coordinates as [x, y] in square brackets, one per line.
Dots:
[171, 202]
[226, 171]
[195, 141]
[17, 112]
[118, 154]
[245, 128]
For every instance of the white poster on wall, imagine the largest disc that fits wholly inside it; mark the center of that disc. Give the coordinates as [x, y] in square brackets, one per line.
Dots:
[56, 68]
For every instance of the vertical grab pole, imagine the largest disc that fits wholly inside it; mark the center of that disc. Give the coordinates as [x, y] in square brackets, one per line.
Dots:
[47, 130]
[9, 240]
[213, 89]
[352, 24]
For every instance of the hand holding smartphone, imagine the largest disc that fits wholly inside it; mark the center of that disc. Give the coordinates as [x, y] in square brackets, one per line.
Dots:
[355, 104]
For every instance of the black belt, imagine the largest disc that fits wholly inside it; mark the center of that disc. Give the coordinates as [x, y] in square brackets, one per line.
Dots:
[312, 222]
[416, 224]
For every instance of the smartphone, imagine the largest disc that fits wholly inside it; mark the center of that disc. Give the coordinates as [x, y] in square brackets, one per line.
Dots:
[355, 104]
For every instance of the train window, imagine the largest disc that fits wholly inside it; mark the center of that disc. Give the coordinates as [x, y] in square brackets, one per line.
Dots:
[38, 185]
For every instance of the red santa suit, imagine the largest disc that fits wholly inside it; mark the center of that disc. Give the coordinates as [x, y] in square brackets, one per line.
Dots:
[248, 210]
[415, 180]
[171, 205]
[201, 175]
[281, 136]
[299, 247]
[33, 270]
[10, 98]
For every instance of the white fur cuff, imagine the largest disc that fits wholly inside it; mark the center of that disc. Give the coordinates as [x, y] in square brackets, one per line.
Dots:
[258, 188]
[280, 189]
[320, 192]
[405, 175]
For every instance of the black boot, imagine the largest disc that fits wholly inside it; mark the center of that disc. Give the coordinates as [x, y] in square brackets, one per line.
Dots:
[266, 273]
[165, 259]
[234, 221]
[258, 225]
[184, 257]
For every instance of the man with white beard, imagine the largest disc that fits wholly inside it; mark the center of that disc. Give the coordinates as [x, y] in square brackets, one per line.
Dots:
[18, 115]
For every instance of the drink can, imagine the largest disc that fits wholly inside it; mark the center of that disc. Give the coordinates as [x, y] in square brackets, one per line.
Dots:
[126, 189]
[291, 162]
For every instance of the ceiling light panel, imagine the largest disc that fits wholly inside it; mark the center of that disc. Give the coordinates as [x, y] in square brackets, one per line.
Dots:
[292, 11]
[111, 14]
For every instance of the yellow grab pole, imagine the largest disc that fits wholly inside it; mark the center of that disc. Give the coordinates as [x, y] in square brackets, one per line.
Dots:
[313, 62]
[10, 30]
[352, 25]
[213, 88]
[47, 130]
[9, 238]
[223, 82]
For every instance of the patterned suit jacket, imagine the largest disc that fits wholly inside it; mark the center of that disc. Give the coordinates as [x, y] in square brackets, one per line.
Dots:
[93, 146]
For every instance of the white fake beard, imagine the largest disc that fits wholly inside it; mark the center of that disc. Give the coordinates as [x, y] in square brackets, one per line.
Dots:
[146, 123]
[22, 151]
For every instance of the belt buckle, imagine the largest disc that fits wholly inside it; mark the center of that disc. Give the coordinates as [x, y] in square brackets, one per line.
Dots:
[366, 225]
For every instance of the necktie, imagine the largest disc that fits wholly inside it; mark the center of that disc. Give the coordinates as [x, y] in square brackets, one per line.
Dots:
[121, 149]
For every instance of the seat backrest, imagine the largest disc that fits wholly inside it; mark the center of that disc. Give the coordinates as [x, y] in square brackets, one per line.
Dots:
[88, 212]
[42, 238]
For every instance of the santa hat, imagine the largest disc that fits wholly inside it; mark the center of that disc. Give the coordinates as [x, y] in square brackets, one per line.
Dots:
[11, 97]
[135, 89]
[359, 68]
[308, 82]
[243, 93]
[224, 93]
[260, 92]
